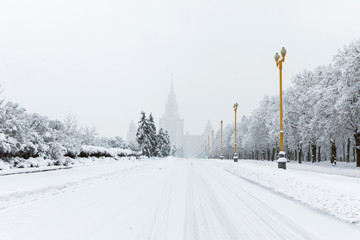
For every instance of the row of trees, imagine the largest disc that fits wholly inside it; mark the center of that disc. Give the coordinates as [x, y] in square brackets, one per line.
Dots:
[152, 144]
[28, 135]
[321, 115]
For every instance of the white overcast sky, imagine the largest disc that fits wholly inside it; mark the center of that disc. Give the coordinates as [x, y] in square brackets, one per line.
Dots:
[106, 60]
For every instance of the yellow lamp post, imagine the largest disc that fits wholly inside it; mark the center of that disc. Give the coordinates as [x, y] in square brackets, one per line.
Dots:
[206, 149]
[221, 155]
[235, 154]
[281, 159]
[208, 145]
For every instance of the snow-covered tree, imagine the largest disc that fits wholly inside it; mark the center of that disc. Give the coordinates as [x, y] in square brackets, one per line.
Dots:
[173, 151]
[347, 61]
[163, 144]
[146, 135]
[153, 136]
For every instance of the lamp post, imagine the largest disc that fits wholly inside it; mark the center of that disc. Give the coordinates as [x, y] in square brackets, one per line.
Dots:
[235, 154]
[221, 155]
[281, 158]
[208, 145]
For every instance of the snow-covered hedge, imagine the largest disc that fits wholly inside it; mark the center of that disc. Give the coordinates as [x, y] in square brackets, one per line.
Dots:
[95, 151]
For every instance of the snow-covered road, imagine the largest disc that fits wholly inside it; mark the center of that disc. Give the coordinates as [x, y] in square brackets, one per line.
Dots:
[159, 199]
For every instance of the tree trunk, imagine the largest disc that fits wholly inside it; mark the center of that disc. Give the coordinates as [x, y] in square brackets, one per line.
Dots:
[273, 154]
[313, 153]
[354, 154]
[348, 151]
[300, 153]
[333, 152]
[319, 153]
[344, 151]
[357, 144]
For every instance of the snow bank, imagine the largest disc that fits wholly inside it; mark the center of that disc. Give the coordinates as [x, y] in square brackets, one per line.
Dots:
[334, 194]
[88, 150]
[21, 188]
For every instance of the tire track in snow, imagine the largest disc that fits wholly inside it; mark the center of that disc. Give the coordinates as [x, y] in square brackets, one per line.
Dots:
[167, 215]
[256, 212]
[205, 218]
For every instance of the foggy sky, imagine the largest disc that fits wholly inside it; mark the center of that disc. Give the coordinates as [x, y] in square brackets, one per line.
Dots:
[105, 61]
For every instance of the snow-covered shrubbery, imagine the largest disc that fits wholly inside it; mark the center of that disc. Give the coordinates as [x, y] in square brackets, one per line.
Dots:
[95, 151]
[32, 140]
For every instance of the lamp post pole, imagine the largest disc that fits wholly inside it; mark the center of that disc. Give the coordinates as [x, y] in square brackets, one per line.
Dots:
[235, 154]
[208, 145]
[221, 155]
[282, 158]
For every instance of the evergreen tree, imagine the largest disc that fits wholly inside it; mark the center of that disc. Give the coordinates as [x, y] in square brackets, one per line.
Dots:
[167, 145]
[173, 151]
[160, 141]
[163, 144]
[152, 136]
[142, 136]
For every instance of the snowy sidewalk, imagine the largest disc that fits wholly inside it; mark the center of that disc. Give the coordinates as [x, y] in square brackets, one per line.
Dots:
[15, 188]
[333, 193]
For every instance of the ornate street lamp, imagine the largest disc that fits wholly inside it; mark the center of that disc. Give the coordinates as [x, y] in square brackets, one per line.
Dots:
[235, 154]
[281, 158]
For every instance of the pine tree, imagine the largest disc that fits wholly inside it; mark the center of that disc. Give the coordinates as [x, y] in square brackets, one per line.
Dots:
[173, 151]
[152, 136]
[142, 136]
[160, 140]
[163, 144]
[167, 145]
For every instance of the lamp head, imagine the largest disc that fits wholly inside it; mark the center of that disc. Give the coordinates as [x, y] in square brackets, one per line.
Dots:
[277, 57]
[235, 106]
[283, 52]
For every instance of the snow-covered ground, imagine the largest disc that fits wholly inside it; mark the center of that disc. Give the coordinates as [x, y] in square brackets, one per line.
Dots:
[161, 199]
[321, 186]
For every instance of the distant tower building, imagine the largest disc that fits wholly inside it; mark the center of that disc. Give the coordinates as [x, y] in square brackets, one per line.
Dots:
[208, 130]
[131, 136]
[172, 121]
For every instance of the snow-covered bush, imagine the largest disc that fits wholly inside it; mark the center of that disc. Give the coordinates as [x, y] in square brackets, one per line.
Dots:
[4, 165]
[64, 161]
[56, 150]
[95, 151]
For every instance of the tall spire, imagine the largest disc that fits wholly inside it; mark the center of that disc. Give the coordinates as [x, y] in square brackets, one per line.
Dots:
[171, 109]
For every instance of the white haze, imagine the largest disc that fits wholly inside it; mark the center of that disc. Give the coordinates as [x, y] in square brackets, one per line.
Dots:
[105, 61]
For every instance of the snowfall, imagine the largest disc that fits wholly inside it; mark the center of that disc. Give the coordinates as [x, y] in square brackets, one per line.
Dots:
[181, 199]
